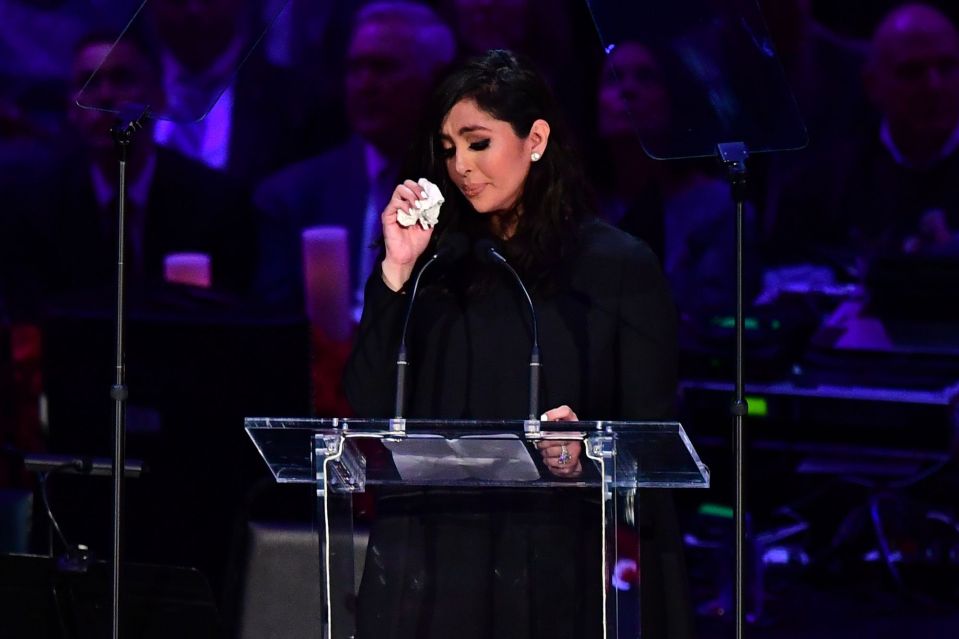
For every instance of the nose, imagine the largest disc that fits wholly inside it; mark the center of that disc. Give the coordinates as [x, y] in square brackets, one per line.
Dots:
[627, 90]
[461, 164]
[100, 92]
[362, 79]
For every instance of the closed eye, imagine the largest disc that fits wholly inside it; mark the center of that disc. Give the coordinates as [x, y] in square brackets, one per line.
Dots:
[447, 153]
[479, 145]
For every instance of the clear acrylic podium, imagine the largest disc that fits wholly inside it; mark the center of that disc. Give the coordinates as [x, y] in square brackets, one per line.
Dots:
[343, 457]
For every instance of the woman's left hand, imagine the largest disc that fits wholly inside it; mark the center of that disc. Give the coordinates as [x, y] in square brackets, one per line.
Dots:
[562, 456]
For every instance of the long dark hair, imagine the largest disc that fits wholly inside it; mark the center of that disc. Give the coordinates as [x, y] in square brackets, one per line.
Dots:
[555, 198]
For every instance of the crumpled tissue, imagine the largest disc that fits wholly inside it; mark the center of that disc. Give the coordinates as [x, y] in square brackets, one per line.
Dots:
[426, 211]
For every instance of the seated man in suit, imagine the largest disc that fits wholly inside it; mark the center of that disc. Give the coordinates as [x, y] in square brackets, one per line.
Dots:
[914, 79]
[396, 53]
[258, 116]
[892, 190]
[64, 221]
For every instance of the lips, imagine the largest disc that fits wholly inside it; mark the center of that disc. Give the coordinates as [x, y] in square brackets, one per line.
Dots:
[472, 190]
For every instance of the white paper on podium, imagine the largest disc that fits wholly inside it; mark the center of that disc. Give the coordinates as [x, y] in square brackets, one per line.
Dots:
[440, 459]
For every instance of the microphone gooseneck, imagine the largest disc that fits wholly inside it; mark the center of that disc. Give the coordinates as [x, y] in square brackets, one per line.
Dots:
[450, 248]
[485, 251]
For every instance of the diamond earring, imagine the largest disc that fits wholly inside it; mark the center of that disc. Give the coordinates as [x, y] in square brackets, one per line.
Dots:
[534, 156]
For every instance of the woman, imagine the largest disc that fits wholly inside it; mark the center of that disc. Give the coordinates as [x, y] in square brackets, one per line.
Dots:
[498, 152]
[680, 208]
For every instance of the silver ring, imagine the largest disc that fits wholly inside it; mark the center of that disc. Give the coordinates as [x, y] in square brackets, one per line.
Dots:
[564, 455]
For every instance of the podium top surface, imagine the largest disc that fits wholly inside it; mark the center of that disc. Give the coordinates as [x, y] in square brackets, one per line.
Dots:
[476, 452]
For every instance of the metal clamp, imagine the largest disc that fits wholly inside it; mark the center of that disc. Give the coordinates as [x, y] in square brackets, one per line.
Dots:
[398, 425]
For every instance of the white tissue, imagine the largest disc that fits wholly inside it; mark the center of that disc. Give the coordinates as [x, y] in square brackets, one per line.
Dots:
[426, 211]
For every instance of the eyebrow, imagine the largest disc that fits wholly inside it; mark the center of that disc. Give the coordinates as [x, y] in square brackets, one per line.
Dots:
[467, 129]
[473, 127]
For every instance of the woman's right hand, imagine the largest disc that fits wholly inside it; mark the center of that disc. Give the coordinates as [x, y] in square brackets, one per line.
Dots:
[404, 244]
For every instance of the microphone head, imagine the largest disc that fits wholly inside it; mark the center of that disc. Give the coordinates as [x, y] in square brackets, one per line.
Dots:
[452, 247]
[485, 251]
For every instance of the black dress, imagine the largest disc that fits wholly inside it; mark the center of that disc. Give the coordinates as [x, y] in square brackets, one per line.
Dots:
[607, 338]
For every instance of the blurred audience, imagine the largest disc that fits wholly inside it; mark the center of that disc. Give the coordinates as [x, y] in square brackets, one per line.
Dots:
[309, 35]
[541, 30]
[37, 38]
[256, 116]
[893, 188]
[683, 211]
[823, 69]
[62, 222]
[397, 51]
[824, 73]
[913, 78]
[481, 25]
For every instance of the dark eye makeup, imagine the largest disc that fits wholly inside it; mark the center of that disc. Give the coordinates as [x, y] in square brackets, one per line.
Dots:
[479, 145]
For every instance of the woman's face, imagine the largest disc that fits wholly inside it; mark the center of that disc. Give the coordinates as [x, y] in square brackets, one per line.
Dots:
[632, 95]
[485, 158]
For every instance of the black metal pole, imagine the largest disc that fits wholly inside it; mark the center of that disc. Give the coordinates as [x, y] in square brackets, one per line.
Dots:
[119, 394]
[127, 125]
[739, 413]
[733, 156]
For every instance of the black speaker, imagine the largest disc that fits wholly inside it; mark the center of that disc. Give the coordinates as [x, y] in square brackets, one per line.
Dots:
[281, 593]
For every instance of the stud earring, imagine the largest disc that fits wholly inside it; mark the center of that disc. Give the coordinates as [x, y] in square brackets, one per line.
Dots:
[534, 156]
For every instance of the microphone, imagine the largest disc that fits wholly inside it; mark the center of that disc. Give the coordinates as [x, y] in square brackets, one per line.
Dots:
[450, 248]
[485, 251]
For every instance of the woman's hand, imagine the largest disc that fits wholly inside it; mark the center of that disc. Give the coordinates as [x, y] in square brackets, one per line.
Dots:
[562, 456]
[404, 245]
